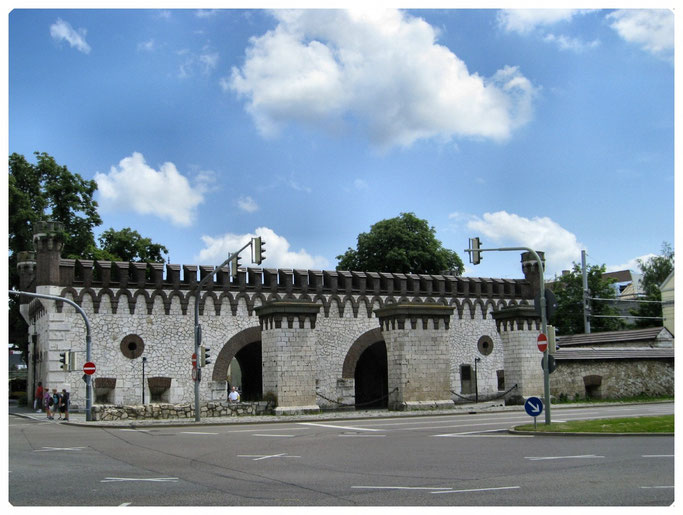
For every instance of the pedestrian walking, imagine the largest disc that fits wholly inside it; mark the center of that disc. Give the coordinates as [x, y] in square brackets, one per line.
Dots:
[38, 399]
[55, 402]
[47, 402]
[64, 405]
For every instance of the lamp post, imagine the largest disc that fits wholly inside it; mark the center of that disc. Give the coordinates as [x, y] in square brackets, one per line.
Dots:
[476, 380]
[144, 360]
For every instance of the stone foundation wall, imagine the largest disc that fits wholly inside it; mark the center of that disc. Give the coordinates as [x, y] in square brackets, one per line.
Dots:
[178, 411]
[613, 379]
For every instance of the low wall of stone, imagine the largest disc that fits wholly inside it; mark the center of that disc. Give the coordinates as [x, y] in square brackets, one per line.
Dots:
[108, 412]
[613, 379]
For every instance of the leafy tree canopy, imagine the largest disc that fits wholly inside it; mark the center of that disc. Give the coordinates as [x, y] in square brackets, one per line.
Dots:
[568, 289]
[655, 270]
[404, 244]
[128, 245]
[49, 191]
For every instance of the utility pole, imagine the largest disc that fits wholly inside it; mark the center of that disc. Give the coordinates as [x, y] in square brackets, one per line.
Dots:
[586, 295]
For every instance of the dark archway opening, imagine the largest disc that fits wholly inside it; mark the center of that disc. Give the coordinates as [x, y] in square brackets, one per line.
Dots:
[249, 359]
[371, 377]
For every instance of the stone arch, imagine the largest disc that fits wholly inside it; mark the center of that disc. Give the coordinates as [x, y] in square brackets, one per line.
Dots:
[363, 342]
[231, 348]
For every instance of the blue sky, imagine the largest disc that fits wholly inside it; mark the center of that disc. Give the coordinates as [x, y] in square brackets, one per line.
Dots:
[545, 129]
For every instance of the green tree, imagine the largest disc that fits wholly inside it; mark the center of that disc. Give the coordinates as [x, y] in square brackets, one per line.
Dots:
[49, 191]
[568, 289]
[128, 245]
[655, 270]
[404, 244]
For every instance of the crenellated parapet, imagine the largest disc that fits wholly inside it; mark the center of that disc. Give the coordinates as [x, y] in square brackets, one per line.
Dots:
[126, 284]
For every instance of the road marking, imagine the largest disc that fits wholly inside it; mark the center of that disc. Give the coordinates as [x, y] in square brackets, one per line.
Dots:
[402, 487]
[51, 449]
[258, 457]
[657, 456]
[274, 436]
[136, 430]
[479, 490]
[538, 458]
[348, 428]
[265, 429]
[152, 479]
[656, 487]
[480, 434]
[362, 436]
[197, 433]
[124, 504]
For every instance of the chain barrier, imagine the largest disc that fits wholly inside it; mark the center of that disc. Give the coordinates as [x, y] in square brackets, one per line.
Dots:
[485, 400]
[357, 405]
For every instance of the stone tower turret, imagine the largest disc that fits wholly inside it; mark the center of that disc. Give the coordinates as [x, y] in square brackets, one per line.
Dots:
[48, 242]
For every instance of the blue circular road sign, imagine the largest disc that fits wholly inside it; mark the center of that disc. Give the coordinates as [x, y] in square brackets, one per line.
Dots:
[533, 406]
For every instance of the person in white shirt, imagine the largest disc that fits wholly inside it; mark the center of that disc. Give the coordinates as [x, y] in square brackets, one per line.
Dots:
[234, 395]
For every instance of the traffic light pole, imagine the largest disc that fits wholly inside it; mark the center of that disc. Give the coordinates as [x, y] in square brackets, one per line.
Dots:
[88, 343]
[544, 321]
[197, 327]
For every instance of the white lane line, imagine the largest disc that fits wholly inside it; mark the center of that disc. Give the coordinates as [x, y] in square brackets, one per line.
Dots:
[136, 430]
[263, 429]
[484, 434]
[258, 457]
[361, 436]
[197, 433]
[584, 456]
[401, 487]
[124, 504]
[274, 436]
[151, 479]
[657, 456]
[656, 487]
[347, 428]
[479, 490]
[52, 449]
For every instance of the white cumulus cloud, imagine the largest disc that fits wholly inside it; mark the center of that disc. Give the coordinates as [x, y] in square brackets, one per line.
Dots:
[247, 204]
[379, 69]
[523, 21]
[652, 29]
[63, 31]
[135, 186]
[504, 229]
[278, 252]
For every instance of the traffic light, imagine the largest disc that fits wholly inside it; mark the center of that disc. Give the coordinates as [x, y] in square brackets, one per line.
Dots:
[204, 356]
[552, 340]
[258, 250]
[234, 266]
[475, 254]
[65, 360]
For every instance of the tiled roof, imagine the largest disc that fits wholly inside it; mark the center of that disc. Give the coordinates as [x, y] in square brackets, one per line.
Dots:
[614, 353]
[635, 335]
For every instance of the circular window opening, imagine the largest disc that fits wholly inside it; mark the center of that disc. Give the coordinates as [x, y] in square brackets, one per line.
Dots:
[485, 345]
[132, 346]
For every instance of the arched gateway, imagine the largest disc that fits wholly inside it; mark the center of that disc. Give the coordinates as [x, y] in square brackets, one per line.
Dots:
[298, 334]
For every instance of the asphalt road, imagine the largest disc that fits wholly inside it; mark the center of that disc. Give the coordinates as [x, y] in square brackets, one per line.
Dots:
[451, 460]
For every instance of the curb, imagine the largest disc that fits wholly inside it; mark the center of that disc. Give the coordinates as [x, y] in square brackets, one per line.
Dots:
[557, 433]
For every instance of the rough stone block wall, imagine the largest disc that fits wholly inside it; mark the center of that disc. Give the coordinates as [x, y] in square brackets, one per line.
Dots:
[523, 363]
[619, 378]
[288, 357]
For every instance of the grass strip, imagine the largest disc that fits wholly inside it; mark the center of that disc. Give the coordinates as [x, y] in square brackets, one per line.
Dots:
[658, 424]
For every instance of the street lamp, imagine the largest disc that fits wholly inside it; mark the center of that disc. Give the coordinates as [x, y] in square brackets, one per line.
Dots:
[476, 380]
[144, 360]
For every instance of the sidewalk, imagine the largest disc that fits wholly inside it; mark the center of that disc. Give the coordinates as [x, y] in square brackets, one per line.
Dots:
[78, 417]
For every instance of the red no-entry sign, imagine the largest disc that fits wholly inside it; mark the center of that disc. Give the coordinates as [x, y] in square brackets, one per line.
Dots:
[89, 368]
[542, 342]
